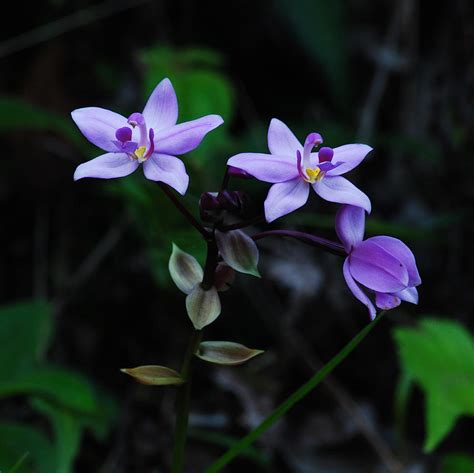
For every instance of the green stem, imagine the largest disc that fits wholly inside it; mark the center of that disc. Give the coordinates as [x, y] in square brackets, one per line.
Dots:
[297, 396]
[182, 405]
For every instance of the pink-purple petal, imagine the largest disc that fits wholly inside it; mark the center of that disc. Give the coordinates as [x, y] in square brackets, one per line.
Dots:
[285, 197]
[167, 169]
[350, 226]
[340, 190]
[161, 109]
[386, 301]
[107, 166]
[281, 140]
[349, 156]
[401, 251]
[266, 167]
[186, 136]
[377, 269]
[358, 293]
[99, 125]
[410, 294]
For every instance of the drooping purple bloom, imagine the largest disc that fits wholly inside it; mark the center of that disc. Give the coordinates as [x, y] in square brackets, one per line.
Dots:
[152, 138]
[383, 265]
[293, 168]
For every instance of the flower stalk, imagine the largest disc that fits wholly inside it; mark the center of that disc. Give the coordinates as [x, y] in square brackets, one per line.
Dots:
[183, 403]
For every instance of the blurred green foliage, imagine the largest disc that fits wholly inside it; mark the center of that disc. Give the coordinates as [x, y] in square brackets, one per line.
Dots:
[322, 28]
[65, 398]
[438, 355]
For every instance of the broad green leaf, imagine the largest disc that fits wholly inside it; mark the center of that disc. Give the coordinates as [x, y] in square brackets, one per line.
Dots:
[25, 329]
[439, 356]
[68, 389]
[16, 114]
[67, 433]
[154, 375]
[17, 439]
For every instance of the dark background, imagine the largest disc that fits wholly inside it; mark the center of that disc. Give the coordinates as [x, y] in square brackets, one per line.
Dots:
[395, 75]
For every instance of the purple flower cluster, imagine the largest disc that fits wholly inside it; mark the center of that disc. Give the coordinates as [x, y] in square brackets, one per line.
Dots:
[381, 266]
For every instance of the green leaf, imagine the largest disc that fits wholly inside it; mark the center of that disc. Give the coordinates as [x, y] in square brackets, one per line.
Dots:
[63, 387]
[457, 463]
[25, 330]
[16, 440]
[242, 445]
[16, 114]
[67, 433]
[439, 356]
[154, 375]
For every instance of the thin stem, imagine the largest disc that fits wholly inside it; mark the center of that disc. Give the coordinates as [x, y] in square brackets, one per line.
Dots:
[313, 240]
[211, 263]
[182, 405]
[186, 213]
[297, 396]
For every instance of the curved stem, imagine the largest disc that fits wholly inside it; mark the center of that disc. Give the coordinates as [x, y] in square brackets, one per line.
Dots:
[313, 240]
[294, 398]
[184, 211]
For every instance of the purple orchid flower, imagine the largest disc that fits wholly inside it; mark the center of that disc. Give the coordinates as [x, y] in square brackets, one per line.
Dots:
[151, 137]
[293, 168]
[382, 264]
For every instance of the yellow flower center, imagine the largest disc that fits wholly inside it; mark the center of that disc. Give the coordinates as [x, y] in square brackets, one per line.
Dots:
[313, 175]
[139, 152]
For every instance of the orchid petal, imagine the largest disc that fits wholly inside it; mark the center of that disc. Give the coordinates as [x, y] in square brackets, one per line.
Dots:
[340, 190]
[359, 294]
[167, 169]
[161, 110]
[107, 166]
[350, 226]
[99, 125]
[186, 136]
[377, 269]
[386, 301]
[349, 156]
[281, 140]
[399, 250]
[266, 167]
[285, 197]
[410, 294]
